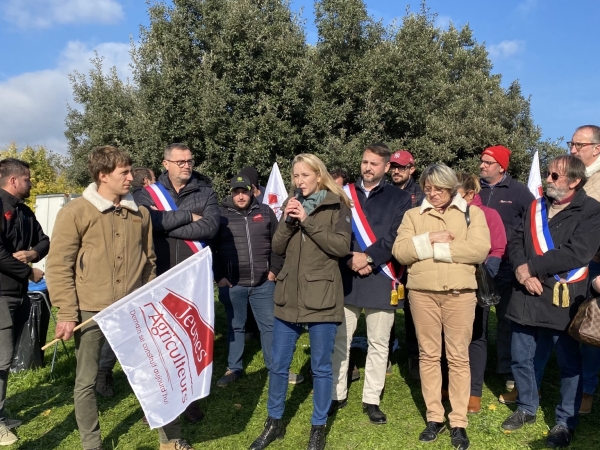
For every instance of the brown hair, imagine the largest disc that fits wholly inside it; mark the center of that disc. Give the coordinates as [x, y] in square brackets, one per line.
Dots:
[380, 149]
[105, 160]
[573, 167]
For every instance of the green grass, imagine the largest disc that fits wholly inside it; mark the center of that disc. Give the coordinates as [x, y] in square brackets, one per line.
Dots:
[235, 415]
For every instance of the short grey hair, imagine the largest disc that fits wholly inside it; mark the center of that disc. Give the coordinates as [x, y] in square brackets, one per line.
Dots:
[175, 146]
[573, 168]
[595, 129]
[441, 176]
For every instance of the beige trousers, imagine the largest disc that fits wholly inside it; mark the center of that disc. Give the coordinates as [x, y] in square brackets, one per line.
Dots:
[379, 324]
[452, 313]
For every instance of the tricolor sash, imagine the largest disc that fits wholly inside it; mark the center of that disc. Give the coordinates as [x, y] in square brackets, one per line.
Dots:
[164, 202]
[542, 242]
[364, 234]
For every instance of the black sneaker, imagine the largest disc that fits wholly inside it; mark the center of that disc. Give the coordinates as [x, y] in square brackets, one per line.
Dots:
[105, 383]
[230, 376]
[559, 436]
[317, 438]
[274, 429]
[517, 419]
[335, 405]
[431, 431]
[459, 439]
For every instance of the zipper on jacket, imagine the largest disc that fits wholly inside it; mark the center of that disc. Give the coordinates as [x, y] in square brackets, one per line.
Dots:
[249, 252]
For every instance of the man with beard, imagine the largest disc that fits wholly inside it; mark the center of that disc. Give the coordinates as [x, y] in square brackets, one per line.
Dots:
[510, 198]
[585, 145]
[23, 241]
[245, 270]
[195, 217]
[549, 252]
[402, 168]
[370, 274]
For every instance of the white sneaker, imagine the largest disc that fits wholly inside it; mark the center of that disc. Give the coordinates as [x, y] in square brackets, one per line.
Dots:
[7, 437]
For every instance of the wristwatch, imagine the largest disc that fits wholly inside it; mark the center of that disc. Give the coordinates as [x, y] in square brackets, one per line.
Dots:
[369, 259]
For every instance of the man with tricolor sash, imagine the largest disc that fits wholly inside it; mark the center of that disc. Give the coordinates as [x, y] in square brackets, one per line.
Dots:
[549, 253]
[185, 215]
[371, 278]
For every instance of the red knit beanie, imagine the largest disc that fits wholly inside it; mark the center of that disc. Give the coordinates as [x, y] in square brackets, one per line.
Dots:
[500, 154]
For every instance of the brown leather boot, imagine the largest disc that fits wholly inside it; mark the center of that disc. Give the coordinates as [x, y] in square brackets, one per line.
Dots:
[474, 405]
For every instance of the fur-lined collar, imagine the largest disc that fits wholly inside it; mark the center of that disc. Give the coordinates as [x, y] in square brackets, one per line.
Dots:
[457, 201]
[102, 204]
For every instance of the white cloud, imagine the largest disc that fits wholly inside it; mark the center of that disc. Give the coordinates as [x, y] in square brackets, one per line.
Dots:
[33, 105]
[46, 13]
[526, 6]
[506, 49]
[443, 22]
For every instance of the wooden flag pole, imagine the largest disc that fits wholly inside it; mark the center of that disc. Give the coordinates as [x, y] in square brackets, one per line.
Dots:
[50, 344]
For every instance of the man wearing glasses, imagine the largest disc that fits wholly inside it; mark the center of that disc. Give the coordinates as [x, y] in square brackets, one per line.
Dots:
[402, 166]
[585, 145]
[511, 199]
[195, 217]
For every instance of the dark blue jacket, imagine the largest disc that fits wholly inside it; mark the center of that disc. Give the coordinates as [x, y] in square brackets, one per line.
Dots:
[384, 210]
[510, 198]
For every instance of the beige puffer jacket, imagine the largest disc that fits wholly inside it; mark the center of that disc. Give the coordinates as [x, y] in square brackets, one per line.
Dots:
[442, 267]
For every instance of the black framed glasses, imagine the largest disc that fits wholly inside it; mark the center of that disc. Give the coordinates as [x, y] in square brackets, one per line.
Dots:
[488, 163]
[555, 176]
[579, 145]
[400, 168]
[181, 164]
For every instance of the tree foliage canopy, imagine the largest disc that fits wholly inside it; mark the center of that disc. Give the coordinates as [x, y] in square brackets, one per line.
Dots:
[237, 82]
[46, 171]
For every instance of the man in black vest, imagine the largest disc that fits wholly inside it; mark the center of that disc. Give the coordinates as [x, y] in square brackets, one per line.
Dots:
[245, 269]
[366, 286]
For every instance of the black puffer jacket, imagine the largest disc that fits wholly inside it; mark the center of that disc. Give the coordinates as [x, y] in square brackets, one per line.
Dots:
[172, 228]
[575, 233]
[20, 231]
[242, 247]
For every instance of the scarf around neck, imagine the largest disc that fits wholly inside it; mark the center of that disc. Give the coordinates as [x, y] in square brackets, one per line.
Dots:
[312, 201]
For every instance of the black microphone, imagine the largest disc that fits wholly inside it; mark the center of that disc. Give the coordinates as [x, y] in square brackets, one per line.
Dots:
[297, 194]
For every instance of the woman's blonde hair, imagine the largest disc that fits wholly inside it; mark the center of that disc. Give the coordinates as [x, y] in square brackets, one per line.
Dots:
[468, 182]
[316, 165]
[441, 176]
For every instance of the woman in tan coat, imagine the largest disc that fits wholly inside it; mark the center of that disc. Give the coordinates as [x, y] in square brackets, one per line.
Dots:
[441, 252]
[308, 292]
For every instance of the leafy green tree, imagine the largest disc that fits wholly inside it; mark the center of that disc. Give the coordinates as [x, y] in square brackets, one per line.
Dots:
[46, 171]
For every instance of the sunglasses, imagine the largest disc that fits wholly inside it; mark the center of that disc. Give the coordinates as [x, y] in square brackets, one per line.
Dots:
[554, 176]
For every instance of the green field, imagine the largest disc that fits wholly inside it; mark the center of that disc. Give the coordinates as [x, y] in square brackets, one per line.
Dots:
[235, 415]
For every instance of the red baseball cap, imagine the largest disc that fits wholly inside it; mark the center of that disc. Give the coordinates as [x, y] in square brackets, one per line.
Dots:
[402, 158]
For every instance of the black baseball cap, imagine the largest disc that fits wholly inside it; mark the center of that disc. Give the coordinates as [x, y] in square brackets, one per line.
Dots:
[241, 181]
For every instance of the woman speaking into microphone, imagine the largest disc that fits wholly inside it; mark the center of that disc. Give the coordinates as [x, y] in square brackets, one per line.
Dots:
[313, 234]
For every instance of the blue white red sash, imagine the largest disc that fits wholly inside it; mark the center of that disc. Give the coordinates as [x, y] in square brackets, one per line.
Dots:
[364, 234]
[542, 240]
[164, 202]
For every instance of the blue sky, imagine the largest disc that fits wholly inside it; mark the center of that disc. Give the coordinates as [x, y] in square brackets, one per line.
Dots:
[550, 46]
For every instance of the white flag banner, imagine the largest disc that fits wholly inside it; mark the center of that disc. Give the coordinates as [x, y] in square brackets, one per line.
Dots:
[535, 179]
[163, 335]
[275, 192]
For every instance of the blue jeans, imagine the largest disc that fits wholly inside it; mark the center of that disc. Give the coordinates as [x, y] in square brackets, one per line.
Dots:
[322, 338]
[591, 355]
[525, 340]
[235, 300]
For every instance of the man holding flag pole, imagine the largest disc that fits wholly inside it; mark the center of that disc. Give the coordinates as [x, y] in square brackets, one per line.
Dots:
[371, 278]
[101, 251]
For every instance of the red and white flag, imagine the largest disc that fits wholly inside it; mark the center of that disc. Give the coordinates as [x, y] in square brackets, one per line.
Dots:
[275, 192]
[535, 179]
[163, 335]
